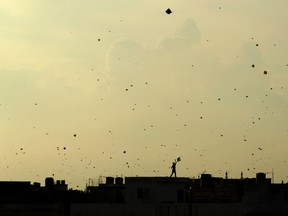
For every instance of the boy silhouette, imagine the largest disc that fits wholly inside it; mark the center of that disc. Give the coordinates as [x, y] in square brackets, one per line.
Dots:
[173, 167]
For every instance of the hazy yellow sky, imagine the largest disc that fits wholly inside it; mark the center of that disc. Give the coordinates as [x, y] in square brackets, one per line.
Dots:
[119, 87]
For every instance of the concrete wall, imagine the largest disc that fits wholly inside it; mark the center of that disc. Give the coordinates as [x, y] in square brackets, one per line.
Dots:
[89, 209]
[33, 209]
[159, 190]
[201, 209]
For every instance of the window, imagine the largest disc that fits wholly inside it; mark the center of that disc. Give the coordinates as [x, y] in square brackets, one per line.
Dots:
[142, 193]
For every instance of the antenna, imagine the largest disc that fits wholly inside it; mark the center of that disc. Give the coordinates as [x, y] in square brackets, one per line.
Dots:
[100, 179]
[272, 173]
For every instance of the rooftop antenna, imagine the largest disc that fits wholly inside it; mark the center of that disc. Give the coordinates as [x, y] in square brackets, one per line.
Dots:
[100, 180]
[272, 173]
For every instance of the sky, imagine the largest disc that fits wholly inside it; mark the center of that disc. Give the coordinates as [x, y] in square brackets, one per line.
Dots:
[121, 88]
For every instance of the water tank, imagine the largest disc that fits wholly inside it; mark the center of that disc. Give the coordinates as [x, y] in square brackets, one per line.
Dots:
[260, 178]
[62, 182]
[49, 182]
[109, 180]
[119, 180]
[206, 180]
[36, 185]
[57, 182]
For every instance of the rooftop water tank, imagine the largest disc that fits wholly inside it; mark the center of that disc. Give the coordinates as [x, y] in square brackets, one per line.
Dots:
[109, 180]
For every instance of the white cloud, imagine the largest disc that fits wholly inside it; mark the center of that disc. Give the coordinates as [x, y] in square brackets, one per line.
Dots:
[187, 35]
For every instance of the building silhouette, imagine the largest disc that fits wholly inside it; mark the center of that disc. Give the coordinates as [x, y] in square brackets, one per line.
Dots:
[153, 196]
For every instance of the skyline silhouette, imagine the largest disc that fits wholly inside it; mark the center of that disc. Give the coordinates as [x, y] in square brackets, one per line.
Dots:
[154, 195]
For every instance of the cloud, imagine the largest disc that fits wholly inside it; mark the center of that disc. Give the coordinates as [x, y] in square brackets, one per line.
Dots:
[124, 63]
[183, 67]
[129, 61]
[187, 35]
[190, 31]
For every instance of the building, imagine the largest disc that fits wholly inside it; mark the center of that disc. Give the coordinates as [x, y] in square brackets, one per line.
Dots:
[21, 198]
[148, 196]
[205, 196]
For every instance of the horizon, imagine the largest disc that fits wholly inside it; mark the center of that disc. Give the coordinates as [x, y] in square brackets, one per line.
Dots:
[103, 179]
